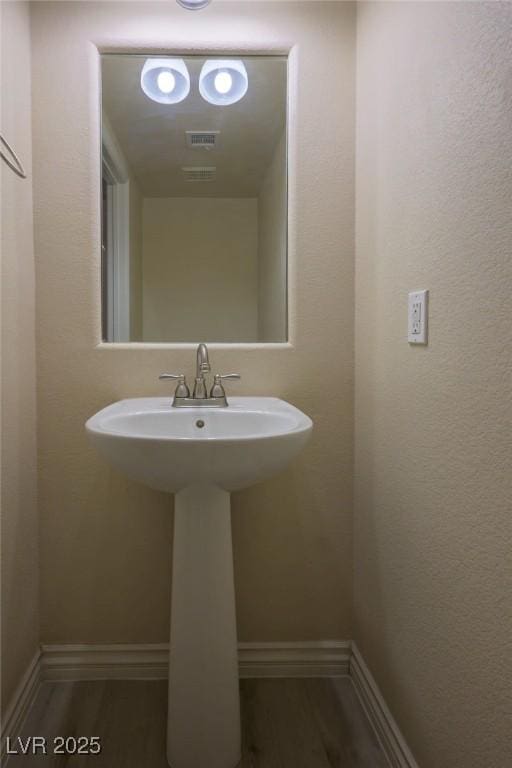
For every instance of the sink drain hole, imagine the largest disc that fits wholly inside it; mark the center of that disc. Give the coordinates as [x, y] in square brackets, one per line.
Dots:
[200, 423]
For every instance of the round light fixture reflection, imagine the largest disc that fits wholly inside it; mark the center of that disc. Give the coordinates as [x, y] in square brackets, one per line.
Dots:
[223, 81]
[193, 5]
[165, 80]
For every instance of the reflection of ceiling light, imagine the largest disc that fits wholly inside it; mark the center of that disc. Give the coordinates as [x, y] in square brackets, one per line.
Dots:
[193, 5]
[165, 80]
[223, 81]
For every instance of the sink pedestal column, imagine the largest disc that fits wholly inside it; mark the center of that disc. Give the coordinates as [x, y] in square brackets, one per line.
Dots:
[204, 712]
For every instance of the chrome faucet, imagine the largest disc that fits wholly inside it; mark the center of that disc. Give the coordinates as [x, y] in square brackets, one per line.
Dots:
[200, 397]
[202, 367]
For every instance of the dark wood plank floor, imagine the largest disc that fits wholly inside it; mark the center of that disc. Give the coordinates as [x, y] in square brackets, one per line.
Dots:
[292, 723]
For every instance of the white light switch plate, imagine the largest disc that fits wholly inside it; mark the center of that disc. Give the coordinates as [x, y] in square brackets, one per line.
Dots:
[418, 317]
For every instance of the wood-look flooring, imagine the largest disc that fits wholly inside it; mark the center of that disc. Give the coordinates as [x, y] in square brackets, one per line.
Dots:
[286, 723]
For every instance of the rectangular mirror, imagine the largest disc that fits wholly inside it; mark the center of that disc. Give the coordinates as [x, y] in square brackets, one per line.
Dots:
[194, 198]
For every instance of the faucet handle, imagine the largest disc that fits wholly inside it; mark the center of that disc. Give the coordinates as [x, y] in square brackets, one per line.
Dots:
[217, 388]
[181, 390]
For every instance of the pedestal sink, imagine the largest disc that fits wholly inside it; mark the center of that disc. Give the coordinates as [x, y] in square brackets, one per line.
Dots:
[201, 454]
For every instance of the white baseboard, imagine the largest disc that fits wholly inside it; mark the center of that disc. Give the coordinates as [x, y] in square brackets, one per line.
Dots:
[325, 658]
[114, 661]
[22, 701]
[135, 662]
[322, 658]
[388, 732]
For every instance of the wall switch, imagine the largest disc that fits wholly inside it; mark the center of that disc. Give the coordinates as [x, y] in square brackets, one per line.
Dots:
[417, 317]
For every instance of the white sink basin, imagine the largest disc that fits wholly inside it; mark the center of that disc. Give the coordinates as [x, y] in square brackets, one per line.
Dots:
[168, 449]
[201, 454]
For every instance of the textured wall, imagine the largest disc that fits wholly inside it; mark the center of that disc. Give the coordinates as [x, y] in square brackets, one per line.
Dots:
[106, 542]
[200, 270]
[433, 524]
[20, 622]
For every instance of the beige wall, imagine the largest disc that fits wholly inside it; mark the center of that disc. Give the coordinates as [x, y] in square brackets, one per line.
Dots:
[105, 541]
[433, 524]
[272, 221]
[19, 556]
[200, 271]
